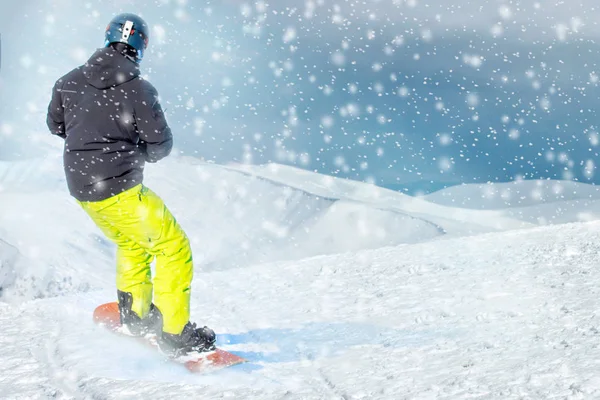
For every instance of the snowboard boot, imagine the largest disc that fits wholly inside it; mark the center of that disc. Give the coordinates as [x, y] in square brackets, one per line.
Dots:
[151, 324]
[191, 339]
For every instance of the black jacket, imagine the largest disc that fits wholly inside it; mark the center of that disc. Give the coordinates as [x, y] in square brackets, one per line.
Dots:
[112, 123]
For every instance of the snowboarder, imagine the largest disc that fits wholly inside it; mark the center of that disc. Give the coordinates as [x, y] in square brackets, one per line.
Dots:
[112, 123]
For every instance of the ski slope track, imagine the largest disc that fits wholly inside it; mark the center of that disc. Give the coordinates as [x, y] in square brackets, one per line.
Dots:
[331, 289]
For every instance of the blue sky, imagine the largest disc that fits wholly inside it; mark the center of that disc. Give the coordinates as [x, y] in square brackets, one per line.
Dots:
[394, 92]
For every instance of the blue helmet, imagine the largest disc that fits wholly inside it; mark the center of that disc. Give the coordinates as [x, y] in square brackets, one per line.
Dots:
[129, 29]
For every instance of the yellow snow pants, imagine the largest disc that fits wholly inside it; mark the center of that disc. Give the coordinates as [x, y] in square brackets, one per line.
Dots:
[143, 229]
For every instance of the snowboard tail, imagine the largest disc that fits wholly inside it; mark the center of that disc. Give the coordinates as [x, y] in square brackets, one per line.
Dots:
[107, 315]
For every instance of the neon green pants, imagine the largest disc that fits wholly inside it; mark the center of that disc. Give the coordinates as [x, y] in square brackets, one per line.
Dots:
[143, 229]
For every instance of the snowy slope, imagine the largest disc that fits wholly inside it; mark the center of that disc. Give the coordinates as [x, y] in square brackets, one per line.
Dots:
[331, 288]
[502, 315]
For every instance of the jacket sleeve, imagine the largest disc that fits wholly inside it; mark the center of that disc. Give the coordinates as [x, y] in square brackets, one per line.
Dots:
[155, 135]
[56, 112]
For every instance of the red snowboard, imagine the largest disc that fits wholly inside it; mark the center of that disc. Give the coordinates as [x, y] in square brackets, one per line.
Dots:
[107, 315]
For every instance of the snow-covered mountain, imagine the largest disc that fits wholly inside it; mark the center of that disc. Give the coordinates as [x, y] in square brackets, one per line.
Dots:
[536, 201]
[331, 288]
[514, 194]
[234, 215]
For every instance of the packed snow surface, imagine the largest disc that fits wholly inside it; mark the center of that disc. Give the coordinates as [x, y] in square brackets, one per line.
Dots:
[330, 288]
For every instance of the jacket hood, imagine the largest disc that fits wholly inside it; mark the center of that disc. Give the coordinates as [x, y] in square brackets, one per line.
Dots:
[107, 68]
